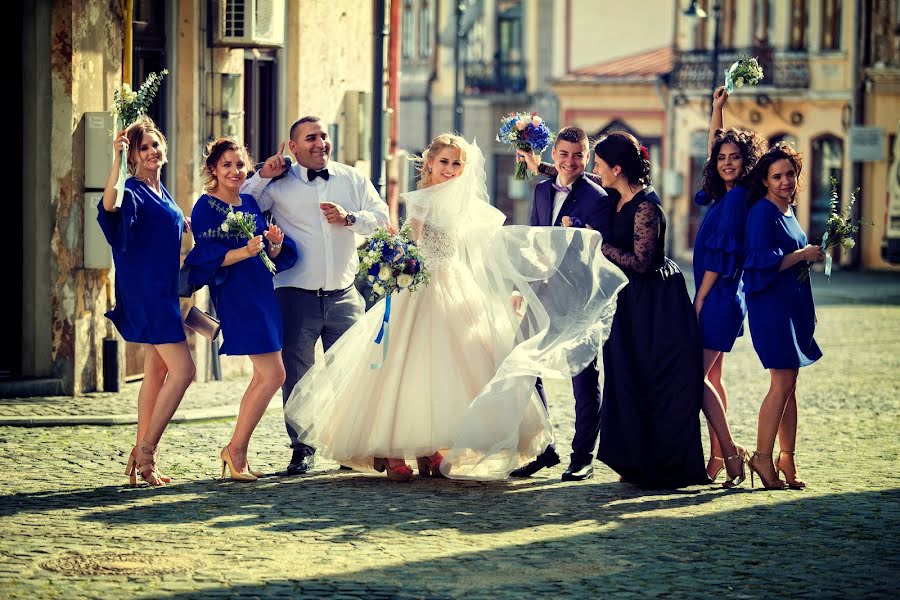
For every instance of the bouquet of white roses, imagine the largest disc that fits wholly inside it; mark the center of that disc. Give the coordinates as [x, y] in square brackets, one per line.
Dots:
[128, 107]
[840, 229]
[391, 262]
[238, 225]
[745, 71]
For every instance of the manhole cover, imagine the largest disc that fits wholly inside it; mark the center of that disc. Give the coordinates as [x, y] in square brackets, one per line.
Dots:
[118, 563]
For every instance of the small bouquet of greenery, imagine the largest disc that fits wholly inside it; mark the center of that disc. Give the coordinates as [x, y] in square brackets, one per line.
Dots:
[525, 131]
[745, 71]
[840, 229]
[237, 225]
[391, 262]
[128, 107]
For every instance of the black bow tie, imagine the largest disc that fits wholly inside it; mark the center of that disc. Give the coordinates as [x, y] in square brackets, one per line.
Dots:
[312, 174]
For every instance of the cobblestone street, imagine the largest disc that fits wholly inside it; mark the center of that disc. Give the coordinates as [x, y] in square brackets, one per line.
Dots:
[71, 529]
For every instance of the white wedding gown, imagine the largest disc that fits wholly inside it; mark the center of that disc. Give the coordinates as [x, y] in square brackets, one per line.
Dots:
[458, 376]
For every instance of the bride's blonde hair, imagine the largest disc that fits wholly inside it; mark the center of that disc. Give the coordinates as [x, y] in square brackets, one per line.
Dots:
[444, 140]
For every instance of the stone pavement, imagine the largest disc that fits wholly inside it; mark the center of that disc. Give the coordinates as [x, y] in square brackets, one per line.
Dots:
[70, 529]
[209, 400]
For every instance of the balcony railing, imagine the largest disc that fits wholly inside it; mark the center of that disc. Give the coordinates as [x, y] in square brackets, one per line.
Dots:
[693, 68]
[501, 77]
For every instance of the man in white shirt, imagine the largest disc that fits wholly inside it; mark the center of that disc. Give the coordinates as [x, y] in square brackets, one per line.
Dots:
[319, 205]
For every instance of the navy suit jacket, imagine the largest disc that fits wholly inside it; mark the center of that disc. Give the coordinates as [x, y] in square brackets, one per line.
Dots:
[587, 203]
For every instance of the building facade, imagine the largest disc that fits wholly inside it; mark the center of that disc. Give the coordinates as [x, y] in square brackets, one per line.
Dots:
[828, 69]
[241, 68]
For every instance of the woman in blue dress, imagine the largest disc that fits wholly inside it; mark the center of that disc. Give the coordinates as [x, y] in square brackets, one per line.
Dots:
[781, 310]
[653, 367]
[718, 264]
[240, 286]
[145, 235]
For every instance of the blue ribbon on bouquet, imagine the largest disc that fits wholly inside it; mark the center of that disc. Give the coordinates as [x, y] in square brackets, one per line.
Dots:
[827, 256]
[384, 333]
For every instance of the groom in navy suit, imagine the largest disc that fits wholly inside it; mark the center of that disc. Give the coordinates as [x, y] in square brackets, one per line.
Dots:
[572, 200]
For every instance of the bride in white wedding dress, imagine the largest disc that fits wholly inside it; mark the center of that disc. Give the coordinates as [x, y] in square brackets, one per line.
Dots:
[455, 391]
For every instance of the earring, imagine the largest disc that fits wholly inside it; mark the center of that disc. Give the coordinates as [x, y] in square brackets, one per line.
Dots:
[429, 169]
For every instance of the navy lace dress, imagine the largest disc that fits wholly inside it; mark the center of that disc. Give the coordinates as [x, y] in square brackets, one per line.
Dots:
[653, 388]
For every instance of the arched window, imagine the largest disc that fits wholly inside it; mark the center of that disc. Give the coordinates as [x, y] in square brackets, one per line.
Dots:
[827, 162]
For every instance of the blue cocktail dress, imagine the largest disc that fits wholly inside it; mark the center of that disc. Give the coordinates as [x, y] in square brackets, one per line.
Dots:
[145, 235]
[782, 314]
[719, 248]
[242, 293]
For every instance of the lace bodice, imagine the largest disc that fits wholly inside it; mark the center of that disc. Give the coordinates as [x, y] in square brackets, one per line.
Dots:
[438, 246]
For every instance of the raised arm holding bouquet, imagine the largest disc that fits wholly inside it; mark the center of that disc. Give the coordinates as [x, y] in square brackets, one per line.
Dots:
[525, 131]
[128, 107]
[745, 71]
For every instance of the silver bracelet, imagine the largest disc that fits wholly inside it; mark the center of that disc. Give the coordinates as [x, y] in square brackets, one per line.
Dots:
[274, 246]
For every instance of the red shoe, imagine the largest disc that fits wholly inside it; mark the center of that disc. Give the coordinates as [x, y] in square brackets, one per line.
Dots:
[400, 472]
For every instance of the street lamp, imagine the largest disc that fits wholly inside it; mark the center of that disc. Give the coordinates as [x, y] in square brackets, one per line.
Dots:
[695, 12]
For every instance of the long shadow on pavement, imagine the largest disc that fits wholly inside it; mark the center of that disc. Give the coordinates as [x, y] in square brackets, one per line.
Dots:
[833, 546]
[364, 503]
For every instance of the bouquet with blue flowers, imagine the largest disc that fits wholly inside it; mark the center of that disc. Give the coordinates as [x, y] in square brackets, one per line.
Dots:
[525, 131]
[391, 262]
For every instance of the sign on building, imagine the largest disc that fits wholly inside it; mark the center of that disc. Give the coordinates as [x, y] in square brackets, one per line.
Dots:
[866, 144]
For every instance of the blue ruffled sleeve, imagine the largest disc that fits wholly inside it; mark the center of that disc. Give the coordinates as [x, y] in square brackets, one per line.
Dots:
[762, 255]
[205, 259]
[118, 226]
[701, 198]
[725, 245]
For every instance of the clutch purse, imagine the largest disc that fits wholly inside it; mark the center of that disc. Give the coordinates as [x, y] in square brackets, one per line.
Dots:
[203, 323]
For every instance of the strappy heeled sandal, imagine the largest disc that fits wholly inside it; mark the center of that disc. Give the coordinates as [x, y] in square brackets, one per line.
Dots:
[777, 484]
[794, 483]
[735, 480]
[142, 460]
[714, 476]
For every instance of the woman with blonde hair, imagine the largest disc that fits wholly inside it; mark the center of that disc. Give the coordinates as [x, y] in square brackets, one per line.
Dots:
[145, 234]
[240, 287]
[455, 390]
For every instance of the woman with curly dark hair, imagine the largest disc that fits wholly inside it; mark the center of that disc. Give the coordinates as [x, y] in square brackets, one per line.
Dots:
[718, 263]
[653, 383]
[780, 306]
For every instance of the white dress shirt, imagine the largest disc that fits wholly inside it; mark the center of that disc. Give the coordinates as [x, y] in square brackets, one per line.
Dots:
[558, 199]
[328, 259]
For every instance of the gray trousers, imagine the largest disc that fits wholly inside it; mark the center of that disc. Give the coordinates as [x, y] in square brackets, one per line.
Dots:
[307, 318]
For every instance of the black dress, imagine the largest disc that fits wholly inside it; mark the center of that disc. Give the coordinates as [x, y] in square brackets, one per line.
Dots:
[653, 359]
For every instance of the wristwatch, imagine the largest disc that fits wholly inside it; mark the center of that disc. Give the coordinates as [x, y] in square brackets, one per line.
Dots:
[350, 219]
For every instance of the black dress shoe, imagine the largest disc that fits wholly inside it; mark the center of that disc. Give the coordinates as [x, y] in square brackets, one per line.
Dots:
[545, 460]
[578, 472]
[301, 462]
